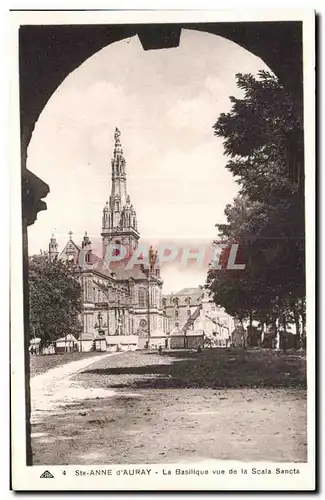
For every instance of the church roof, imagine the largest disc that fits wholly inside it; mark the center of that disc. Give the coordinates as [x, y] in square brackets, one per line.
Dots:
[193, 293]
[176, 332]
[119, 268]
[188, 291]
[70, 246]
[97, 263]
[116, 270]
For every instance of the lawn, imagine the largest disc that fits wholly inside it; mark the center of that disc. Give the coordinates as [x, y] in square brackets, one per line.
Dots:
[212, 368]
[180, 407]
[43, 363]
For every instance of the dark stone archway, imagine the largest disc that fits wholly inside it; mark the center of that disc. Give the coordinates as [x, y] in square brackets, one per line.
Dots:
[48, 54]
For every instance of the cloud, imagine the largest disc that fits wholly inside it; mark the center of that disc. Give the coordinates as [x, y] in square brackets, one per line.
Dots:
[192, 114]
[165, 102]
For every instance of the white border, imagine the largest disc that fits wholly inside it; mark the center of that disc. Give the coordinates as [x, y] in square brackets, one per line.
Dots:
[27, 478]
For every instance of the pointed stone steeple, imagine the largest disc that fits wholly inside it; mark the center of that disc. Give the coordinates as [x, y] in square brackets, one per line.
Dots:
[86, 243]
[86, 247]
[53, 248]
[119, 224]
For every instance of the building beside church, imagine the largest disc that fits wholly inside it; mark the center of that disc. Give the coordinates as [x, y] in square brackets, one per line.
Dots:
[123, 306]
[192, 315]
[117, 301]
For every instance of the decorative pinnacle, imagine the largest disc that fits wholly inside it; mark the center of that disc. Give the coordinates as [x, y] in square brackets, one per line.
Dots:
[118, 151]
[117, 135]
[70, 234]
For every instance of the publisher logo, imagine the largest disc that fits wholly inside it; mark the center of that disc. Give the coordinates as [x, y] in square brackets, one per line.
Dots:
[47, 475]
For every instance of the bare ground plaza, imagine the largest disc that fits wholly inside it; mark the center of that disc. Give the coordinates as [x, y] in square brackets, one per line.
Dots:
[180, 406]
[166, 320]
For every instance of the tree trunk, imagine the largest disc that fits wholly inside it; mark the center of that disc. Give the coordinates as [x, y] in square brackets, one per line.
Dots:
[262, 334]
[277, 334]
[243, 334]
[250, 332]
[303, 323]
[284, 337]
[298, 332]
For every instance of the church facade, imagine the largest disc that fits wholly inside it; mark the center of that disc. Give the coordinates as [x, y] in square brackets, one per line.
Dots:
[117, 301]
[123, 306]
[192, 313]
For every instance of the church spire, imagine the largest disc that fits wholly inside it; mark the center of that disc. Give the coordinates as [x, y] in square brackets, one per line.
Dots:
[53, 248]
[118, 160]
[118, 146]
[119, 223]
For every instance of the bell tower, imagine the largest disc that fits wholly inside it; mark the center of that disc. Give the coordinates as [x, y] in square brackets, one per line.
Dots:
[53, 248]
[119, 223]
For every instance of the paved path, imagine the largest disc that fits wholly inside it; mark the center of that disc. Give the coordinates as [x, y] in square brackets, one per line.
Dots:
[53, 389]
[84, 419]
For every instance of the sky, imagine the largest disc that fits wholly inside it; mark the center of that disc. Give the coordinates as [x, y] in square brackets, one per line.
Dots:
[165, 103]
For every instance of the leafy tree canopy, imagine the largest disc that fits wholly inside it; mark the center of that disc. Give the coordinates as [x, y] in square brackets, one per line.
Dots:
[267, 217]
[55, 299]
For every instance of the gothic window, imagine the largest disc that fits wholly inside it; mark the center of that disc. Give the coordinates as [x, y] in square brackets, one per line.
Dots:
[70, 257]
[88, 260]
[176, 313]
[118, 206]
[142, 298]
[153, 296]
[117, 251]
[175, 301]
[188, 312]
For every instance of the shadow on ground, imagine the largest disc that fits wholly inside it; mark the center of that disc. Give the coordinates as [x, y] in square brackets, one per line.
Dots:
[170, 420]
[217, 368]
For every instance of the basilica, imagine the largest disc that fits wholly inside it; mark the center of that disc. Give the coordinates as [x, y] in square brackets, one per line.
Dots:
[124, 308]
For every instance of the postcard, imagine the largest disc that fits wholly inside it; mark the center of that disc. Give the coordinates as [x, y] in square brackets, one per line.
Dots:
[162, 268]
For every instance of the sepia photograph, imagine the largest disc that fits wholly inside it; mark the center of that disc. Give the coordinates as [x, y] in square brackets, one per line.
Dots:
[167, 313]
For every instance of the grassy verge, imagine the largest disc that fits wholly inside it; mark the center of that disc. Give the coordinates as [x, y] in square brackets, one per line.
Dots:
[43, 363]
[215, 368]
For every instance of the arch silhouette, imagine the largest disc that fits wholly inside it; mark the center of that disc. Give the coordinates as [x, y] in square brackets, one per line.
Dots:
[48, 54]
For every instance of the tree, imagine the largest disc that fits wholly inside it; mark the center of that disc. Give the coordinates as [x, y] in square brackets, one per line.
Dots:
[267, 217]
[55, 299]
